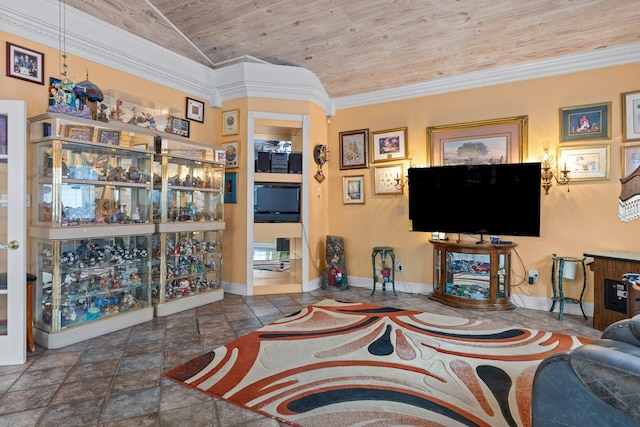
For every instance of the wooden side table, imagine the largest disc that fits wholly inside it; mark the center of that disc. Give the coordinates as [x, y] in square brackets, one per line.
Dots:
[557, 273]
[389, 274]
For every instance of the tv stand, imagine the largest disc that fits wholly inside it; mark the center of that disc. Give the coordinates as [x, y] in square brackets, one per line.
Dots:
[469, 275]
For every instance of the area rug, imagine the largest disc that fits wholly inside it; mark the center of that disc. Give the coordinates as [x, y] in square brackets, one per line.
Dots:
[353, 364]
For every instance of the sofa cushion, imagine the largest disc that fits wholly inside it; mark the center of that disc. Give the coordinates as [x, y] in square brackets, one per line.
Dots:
[611, 371]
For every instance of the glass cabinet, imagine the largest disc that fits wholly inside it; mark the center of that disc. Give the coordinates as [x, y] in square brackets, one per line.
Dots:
[81, 181]
[91, 227]
[471, 275]
[187, 189]
[186, 264]
[82, 280]
[188, 208]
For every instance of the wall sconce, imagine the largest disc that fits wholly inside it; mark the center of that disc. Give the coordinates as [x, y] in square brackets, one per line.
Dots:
[548, 175]
[401, 181]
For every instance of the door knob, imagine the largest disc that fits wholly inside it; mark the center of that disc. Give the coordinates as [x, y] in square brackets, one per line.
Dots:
[14, 244]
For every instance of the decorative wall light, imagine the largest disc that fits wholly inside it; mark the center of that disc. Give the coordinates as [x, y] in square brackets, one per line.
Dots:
[548, 174]
[320, 156]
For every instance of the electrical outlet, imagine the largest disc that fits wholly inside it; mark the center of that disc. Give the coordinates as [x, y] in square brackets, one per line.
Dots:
[398, 265]
[533, 276]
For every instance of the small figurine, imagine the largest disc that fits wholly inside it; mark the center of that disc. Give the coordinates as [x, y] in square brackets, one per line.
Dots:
[135, 216]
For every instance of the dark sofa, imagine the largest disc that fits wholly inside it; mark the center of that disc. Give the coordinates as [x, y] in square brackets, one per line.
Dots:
[597, 384]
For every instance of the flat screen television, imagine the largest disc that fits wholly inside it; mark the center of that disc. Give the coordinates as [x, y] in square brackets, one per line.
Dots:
[275, 202]
[500, 199]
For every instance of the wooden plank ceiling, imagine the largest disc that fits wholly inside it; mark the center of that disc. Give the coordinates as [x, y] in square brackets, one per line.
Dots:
[356, 46]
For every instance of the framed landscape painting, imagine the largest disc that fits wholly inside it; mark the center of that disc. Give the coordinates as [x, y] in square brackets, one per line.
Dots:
[478, 143]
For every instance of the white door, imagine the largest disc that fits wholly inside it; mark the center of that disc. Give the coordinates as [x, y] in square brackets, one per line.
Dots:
[13, 175]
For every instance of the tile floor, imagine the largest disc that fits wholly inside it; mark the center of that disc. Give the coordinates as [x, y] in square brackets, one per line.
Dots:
[116, 380]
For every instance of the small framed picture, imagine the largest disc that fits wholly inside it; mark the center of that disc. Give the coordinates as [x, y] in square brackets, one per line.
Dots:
[389, 145]
[353, 189]
[630, 159]
[232, 154]
[230, 122]
[180, 127]
[25, 64]
[4, 128]
[220, 156]
[83, 133]
[230, 187]
[195, 110]
[353, 149]
[631, 116]
[586, 162]
[389, 179]
[585, 122]
[111, 137]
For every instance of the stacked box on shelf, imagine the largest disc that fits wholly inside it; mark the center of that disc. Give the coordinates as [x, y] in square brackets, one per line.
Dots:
[91, 226]
[188, 207]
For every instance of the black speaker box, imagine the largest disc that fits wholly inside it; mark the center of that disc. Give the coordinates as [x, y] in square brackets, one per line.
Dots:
[295, 162]
[263, 162]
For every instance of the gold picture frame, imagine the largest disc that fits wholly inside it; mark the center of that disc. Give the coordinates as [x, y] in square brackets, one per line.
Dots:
[389, 145]
[388, 178]
[82, 133]
[501, 140]
[585, 162]
[353, 190]
[230, 122]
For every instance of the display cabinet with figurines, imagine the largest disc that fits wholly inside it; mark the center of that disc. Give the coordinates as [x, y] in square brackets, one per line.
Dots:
[186, 269]
[91, 227]
[187, 189]
[188, 208]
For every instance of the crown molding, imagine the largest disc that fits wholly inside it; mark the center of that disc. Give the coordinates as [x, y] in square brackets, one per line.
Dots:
[98, 41]
[600, 58]
[261, 80]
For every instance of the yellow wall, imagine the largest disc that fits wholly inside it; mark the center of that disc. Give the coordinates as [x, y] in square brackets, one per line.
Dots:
[585, 219]
[235, 236]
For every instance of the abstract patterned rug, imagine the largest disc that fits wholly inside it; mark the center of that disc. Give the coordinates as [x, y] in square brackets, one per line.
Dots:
[353, 364]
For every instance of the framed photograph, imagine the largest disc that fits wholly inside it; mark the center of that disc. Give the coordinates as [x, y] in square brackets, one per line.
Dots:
[180, 127]
[84, 133]
[230, 187]
[584, 122]
[220, 156]
[585, 163]
[230, 122]
[25, 64]
[631, 116]
[111, 137]
[389, 145]
[353, 149]
[478, 143]
[232, 154]
[630, 159]
[387, 179]
[195, 110]
[353, 189]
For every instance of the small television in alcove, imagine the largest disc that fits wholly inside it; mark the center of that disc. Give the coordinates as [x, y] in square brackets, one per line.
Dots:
[276, 202]
[500, 199]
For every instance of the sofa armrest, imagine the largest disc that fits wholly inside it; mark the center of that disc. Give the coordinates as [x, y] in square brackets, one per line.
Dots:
[626, 330]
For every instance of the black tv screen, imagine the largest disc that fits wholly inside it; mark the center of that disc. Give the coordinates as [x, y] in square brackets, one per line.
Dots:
[275, 202]
[500, 199]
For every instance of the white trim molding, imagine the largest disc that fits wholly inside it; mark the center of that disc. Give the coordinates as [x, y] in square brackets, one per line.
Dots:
[600, 58]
